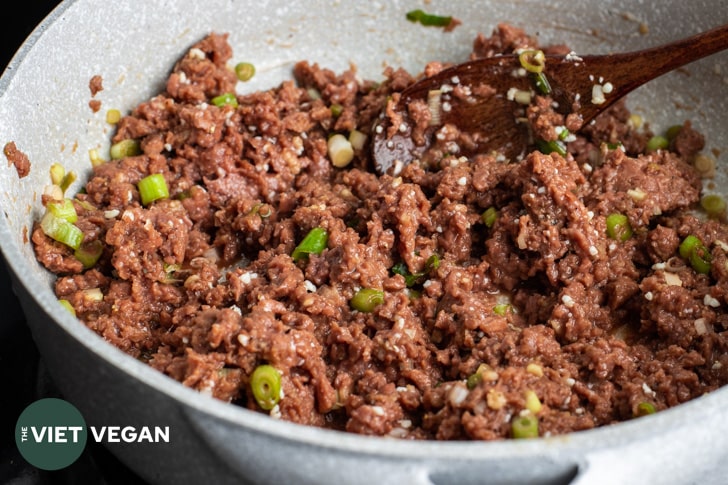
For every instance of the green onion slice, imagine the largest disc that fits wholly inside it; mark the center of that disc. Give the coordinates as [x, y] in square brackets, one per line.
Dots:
[618, 227]
[89, 253]
[700, 259]
[645, 408]
[67, 305]
[673, 131]
[153, 187]
[63, 209]
[657, 142]
[693, 250]
[336, 110]
[714, 205]
[61, 230]
[489, 216]
[433, 262]
[525, 426]
[410, 279]
[125, 148]
[367, 299]
[266, 386]
[542, 83]
[244, 71]
[532, 60]
[501, 309]
[314, 243]
[687, 246]
[547, 147]
[428, 19]
[226, 99]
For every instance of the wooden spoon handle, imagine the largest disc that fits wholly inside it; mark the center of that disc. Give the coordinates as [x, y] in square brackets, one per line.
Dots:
[624, 72]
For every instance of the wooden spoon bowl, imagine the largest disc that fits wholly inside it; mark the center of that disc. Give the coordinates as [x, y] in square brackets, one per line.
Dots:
[481, 97]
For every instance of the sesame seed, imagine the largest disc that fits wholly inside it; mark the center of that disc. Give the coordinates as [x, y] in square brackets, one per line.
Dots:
[462, 181]
[568, 301]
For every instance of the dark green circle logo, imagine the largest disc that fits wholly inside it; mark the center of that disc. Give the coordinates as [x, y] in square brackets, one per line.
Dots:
[50, 434]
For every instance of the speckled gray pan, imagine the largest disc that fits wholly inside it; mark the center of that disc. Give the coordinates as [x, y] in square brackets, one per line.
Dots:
[132, 44]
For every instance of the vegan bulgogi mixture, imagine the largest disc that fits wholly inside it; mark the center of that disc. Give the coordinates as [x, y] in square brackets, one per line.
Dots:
[228, 246]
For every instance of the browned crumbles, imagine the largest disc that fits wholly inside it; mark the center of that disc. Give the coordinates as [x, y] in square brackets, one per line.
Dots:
[535, 311]
[17, 158]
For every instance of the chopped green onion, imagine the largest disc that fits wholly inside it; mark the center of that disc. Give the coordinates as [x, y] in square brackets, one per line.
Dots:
[67, 305]
[89, 253]
[700, 259]
[264, 211]
[564, 134]
[340, 150]
[153, 187]
[68, 179]
[532, 60]
[645, 408]
[63, 209]
[484, 371]
[547, 147]
[428, 19]
[501, 309]
[314, 243]
[433, 262]
[618, 227]
[226, 99]
[266, 386]
[542, 83]
[336, 110]
[713, 205]
[672, 132]
[693, 250]
[57, 173]
[489, 216]
[95, 158]
[124, 148]
[474, 379]
[525, 426]
[410, 279]
[244, 71]
[367, 299]
[113, 116]
[61, 230]
[687, 246]
[657, 142]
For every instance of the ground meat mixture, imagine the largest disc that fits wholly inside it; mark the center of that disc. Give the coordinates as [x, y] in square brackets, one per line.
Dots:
[17, 158]
[445, 303]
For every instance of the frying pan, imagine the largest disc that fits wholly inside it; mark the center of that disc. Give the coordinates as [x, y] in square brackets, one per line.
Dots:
[44, 109]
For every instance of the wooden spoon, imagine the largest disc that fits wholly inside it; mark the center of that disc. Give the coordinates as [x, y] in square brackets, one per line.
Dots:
[477, 97]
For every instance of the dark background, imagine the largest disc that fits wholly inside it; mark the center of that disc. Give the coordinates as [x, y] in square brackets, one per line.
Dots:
[21, 370]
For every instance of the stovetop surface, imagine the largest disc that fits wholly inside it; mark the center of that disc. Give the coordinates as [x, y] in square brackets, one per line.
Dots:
[21, 367]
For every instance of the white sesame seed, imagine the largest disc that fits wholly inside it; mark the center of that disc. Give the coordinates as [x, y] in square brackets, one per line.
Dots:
[568, 301]
[649, 296]
[593, 250]
[462, 181]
